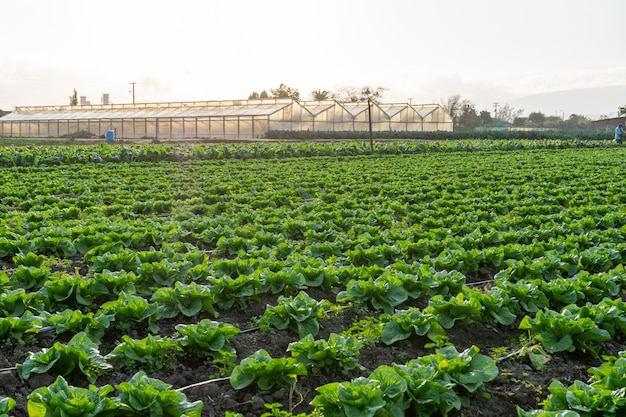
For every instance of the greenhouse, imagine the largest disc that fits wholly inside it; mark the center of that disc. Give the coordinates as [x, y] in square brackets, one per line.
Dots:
[234, 119]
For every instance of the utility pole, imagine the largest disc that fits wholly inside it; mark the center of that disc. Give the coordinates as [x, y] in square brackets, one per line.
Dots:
[133, 91]
[495, 111]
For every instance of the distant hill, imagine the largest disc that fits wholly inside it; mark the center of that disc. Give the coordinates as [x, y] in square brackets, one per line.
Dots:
[589, 102]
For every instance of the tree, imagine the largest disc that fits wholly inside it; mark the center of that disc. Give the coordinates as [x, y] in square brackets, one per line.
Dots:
[321, 95]
[257, 96]
[455, 108]
[468, 118]
[520, 121]
[486, 118]
[577, 122]
[360, 94]
[285, 92]
[553, 122]
[537, 118]
[508, 114]
[621, 111]
[74, 99]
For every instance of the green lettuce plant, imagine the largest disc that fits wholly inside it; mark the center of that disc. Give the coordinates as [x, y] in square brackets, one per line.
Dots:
[431, 385]
[6, 405]
[145, 396]
[382, 293]
[337, 354]
[281, 281]
[75, 321]
[299, 313]
[103, 285]
[564, 332]
[79, 356]
[603, 395]
[462, 308]
[266, 372]
[63, 400]
[163, 273]
[29, 277]
[405, 323]
[229, 291]
[65, 290]
[29, 259]
[186, 299]
[152, 352]
[209, 339]
[361, 397]
[21, 329]
[132, 312]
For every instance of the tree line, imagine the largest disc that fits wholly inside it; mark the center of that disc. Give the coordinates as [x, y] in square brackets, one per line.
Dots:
[343, 94]
[465, 117]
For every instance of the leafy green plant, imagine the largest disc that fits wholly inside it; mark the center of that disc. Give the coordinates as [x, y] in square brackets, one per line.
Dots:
[468, 368]
[368, 331]
[93, 324]
[63, 400]
[405, 323]
[299, 313]
[29, 259]
[64, 290]
[6, 405]
[29, 277]
[229, 290]
[14, 303]
[152, 352]
[433, 380]
[431, 385]
[276, 410]
[163, 273]
[145, 396]
[564, 332]
[132, 312]
[103, 285]
[21, 329]
[383, 293]
[124, 260]
[361, 397]
[281, 282]
[209, 339]
[604, 395]
[462, 308]
[187, 299]
[266, 372]
[79, 356]
[337, 354]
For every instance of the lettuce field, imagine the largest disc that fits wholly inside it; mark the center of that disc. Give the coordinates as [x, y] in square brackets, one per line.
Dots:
[465, 278]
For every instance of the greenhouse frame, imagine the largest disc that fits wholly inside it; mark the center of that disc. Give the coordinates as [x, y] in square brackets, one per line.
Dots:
[231, 119]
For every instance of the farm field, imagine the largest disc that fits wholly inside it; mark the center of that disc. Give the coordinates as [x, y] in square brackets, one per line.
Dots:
[264, 280]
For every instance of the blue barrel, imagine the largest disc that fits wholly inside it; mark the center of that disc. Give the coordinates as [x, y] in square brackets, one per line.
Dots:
[109, 135]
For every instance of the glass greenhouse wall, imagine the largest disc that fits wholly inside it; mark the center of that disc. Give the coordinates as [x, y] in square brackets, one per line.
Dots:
[235, 119]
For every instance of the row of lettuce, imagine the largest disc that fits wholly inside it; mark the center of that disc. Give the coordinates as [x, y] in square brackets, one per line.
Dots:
[34, 155]
[171, 240]
[486, 134]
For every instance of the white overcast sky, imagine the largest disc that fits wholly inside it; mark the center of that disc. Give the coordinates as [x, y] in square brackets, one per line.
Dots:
[485, 50]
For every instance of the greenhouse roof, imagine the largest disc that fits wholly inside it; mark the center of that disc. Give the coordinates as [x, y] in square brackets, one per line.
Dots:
[203, 109]
[143, 113]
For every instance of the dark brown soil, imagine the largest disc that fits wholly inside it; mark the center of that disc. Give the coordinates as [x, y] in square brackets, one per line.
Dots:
[518, 383]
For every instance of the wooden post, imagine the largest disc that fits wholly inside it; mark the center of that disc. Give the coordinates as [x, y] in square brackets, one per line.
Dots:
[369, 116]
